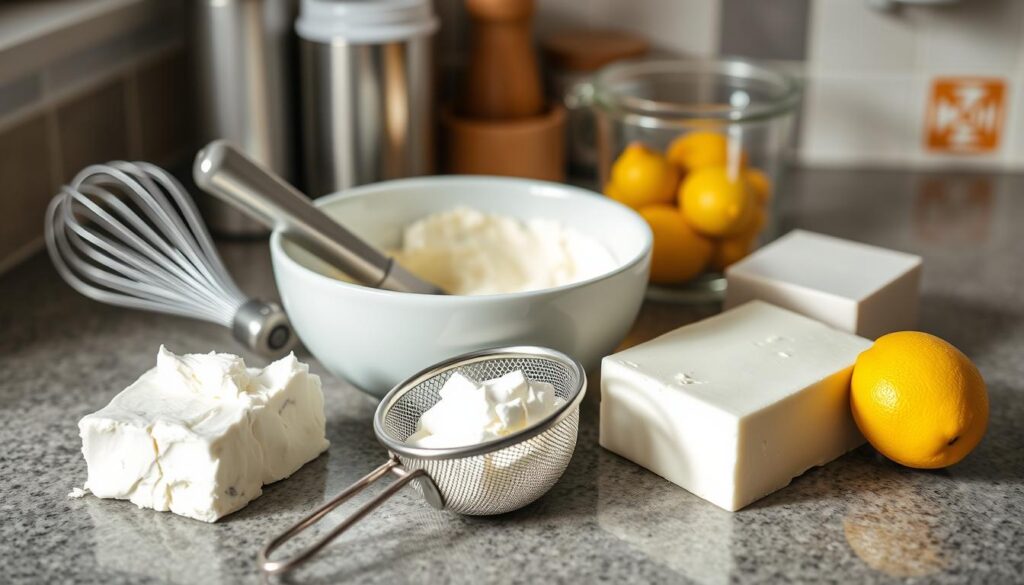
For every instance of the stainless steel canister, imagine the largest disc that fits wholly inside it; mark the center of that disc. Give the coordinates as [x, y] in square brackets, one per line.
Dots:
[244, 56]
[367, 91]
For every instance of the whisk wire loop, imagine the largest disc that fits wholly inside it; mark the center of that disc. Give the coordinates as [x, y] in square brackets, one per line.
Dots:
[209, 257]
[129, 234]
[60, 248]
[174, 239]
[154, 268]
[187, 239]
[128, 250]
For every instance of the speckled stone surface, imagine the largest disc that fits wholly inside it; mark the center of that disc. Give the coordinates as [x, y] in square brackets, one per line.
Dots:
[860, 519]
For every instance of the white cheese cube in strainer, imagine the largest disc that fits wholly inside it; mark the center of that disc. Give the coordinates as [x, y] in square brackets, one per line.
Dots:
[200, 434]
[735, 406]
[855, 287]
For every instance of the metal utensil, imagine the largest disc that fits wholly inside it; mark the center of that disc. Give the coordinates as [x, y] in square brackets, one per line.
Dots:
[128, 234]
[222, 170]
[244, 68]
[367, 91]
[494, 477]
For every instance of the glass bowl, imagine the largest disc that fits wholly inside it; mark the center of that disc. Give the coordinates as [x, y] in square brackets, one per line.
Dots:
[654, 103]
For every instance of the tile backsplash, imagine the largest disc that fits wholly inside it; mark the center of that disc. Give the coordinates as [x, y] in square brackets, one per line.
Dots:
[871, 74]
[92, 94]
[27, 173]
[93, 128]
[768, 30]
[883, 87]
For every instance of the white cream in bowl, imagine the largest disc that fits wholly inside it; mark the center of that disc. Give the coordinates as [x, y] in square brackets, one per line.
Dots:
[469, 252]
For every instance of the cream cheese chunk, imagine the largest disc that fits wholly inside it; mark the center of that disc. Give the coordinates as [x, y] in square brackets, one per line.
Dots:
[472, 412]
[733, 407]
[851, 286]
[469, 252]
[199, 435]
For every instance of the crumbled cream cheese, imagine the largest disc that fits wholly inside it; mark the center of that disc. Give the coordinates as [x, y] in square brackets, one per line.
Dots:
[200, 435]
[468, 252]
[472, 412]
[78, 493]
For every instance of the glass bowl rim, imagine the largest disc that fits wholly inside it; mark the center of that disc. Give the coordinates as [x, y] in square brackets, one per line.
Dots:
[668, 112]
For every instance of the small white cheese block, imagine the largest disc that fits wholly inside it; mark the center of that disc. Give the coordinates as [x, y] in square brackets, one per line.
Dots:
[735, 406]
[200, 434]
[855, 287]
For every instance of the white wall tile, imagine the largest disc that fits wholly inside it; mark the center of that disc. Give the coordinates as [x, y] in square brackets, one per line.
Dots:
[1013, 137]
[860, 120]
[972, 37]
[687, 27]
[1015, 115]
[555, 15]
[849, 37]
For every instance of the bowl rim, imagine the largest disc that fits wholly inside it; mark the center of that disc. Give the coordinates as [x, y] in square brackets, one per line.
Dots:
[550, 189]
[661, 113]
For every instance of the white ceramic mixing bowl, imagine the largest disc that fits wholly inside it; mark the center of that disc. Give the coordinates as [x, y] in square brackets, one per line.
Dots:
[375, 338]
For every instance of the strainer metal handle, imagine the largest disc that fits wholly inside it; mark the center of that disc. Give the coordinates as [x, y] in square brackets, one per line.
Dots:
[504, 474]
[392, 466]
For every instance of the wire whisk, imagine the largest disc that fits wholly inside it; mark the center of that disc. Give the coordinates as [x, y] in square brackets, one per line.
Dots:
[129, 234]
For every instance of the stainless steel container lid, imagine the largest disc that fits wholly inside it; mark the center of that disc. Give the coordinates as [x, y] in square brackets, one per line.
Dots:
[365, 21]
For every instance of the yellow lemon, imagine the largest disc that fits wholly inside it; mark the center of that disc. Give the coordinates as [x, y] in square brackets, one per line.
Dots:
[756, 220]
[918, 400]
[612, 191]
[679, 252]
[716, 204]
[760, 184]
[642, 176]
[699, 149]
[730, 251]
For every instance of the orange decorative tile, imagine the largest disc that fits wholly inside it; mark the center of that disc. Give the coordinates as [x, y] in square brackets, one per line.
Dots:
[965, 114]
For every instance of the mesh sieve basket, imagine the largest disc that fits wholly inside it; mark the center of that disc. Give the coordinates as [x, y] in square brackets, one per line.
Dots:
[493, 477]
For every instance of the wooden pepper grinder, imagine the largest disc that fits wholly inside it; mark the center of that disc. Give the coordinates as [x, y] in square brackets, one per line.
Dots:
[502, 81]
[502, 124]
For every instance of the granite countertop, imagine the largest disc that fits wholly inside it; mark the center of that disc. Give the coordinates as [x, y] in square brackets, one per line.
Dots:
[858, 519]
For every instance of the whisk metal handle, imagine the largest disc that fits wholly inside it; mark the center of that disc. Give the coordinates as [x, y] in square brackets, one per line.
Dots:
[225, 172]
[263, 327]
[393, 466]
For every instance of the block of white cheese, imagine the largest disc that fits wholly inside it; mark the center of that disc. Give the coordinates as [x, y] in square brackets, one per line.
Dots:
[855, 287]
[735, 406]
[199, 435]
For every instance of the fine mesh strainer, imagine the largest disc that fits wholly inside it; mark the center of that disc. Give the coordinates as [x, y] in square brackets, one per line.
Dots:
[493, 477]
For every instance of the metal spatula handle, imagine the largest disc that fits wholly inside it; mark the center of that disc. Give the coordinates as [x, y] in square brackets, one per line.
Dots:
[225, 172]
